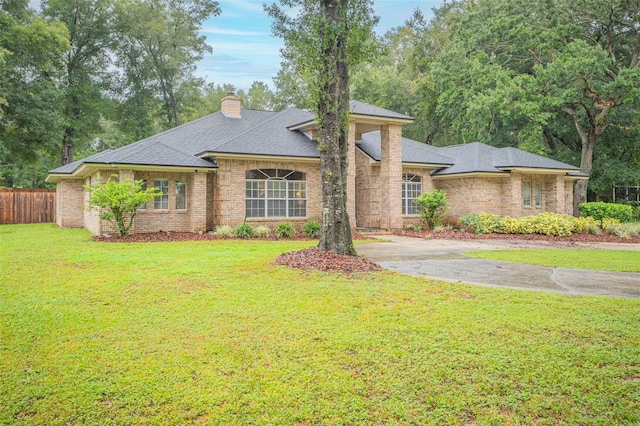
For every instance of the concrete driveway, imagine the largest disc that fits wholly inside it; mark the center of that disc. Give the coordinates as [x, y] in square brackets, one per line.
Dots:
[446, 260]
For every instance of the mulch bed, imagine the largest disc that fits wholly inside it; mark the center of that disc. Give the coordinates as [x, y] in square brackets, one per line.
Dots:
[462, 235]
[314, 259]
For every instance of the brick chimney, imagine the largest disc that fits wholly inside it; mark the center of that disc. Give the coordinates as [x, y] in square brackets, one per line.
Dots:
[232, 106]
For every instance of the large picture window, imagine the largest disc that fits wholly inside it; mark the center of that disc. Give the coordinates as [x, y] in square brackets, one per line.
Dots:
[275, 193]
[161, 202]
[411, 189]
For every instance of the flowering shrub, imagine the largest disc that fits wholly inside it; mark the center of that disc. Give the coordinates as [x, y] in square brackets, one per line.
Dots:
[481, 223]
[551, 224]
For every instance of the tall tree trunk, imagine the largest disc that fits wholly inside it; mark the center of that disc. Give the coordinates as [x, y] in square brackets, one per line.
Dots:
[174, 108]
[333, 116]
[586, 167]
[67, 145]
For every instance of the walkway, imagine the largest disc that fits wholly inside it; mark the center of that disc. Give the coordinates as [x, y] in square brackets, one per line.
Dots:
[446, 260]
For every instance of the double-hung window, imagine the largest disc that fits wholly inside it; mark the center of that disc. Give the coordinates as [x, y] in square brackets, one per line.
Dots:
[181, 195]
[275, 193]
[526, 198]
[161, 202]
[538, 194]
[411, 189]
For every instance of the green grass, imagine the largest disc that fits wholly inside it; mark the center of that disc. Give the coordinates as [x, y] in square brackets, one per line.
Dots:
[597, 260]
[212, 333]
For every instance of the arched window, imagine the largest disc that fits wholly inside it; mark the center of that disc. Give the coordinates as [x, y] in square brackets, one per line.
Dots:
[275, 193]
[411, 189]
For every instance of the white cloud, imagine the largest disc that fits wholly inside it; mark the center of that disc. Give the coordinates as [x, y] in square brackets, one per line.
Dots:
[253, 49]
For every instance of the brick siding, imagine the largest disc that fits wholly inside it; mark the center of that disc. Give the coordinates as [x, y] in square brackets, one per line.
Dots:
[229, 191]
[69, 203]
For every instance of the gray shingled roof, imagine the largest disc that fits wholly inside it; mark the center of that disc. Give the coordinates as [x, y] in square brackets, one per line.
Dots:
[269, 137]
[266, 133]
[361, 108]
[412, 151]
[478, 157]
[179, 147]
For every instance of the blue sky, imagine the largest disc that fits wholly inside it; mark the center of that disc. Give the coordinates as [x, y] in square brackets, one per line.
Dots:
[244, 50]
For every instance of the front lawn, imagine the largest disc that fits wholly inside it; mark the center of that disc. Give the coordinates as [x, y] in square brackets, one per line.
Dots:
[597, 260]
[210, 332]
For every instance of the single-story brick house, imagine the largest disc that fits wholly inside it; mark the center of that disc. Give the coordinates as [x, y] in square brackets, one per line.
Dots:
[263, 167]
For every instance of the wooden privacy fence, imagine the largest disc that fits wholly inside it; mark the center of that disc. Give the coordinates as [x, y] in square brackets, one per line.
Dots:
[27, 205]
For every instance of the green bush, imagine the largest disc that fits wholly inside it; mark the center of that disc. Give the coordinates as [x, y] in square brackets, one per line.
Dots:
[118, 201]
[432, 206]
[412, 227]
[224, 231]
[244, 230]
[312, 228]
[551, 224]
[600, 211]
[481, 223]
[261, 231]
[586, 224]
[285, 230]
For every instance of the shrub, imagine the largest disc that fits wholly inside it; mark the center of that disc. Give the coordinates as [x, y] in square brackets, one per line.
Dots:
[261, 231]
[551, 224]
[118, 201]
[481, 223]
[600, 211]
[442, 228]
[312, 228]
[585, 224]
[432, 206]
[224, 231]
[412, 227]
[284, 230]
[244, 230]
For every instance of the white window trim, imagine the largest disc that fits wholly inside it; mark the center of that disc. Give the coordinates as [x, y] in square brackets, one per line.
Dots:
[155, 200]
[405, 188]
[289, 187]
[287, 199]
